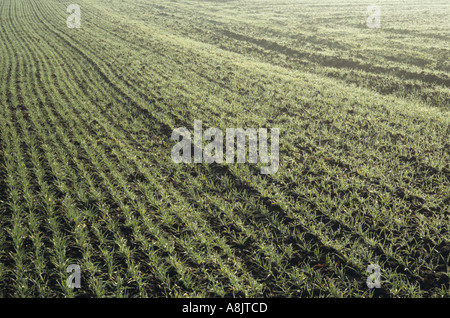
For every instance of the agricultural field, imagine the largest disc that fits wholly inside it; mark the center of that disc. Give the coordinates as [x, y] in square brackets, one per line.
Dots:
[87, 178]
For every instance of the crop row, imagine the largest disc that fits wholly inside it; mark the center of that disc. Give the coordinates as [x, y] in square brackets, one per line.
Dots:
[86, 122]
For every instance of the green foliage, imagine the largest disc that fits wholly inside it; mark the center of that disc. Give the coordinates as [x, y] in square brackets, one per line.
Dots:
[86, 175]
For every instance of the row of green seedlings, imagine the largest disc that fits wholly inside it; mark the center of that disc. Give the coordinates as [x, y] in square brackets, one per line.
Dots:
[82, 240]
[4, 135]
[50, 208]
[47, 199]
[213, 107]
[419, 266]
[125, 185]
[19, 183]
